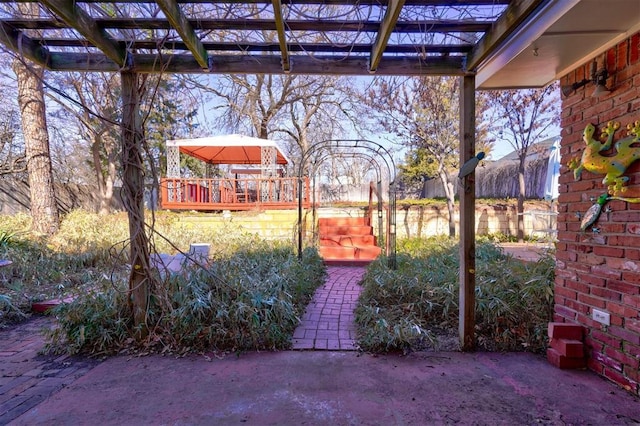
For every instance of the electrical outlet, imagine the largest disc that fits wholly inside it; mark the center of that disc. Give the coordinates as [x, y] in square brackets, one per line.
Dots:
[601, 316]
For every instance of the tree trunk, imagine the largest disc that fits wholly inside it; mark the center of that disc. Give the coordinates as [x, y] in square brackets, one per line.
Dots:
[44, 210]
[133, 200]
[521, 197]
[105, 178]
[451, 201]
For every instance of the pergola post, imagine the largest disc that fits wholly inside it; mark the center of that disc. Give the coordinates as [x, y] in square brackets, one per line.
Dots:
[467, 195]
[133, 199]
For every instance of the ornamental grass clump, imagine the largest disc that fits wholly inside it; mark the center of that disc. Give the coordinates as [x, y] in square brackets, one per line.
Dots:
[249, 300]
[416, 306]
[39, 270]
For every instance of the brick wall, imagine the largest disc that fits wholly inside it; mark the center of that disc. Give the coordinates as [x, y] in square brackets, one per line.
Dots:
[602, 270]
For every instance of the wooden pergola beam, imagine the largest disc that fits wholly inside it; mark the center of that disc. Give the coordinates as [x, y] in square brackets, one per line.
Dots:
[408, 27]
[181, 24]
[322, 2]
[78, 19]
[153, 44]
[21, 44]
[387, 25]
[467, 195]
[282, 37]
[515, 14]
[258, 64]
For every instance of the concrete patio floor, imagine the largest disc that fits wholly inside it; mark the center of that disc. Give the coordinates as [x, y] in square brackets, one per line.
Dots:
[335, 388]
[300, 387]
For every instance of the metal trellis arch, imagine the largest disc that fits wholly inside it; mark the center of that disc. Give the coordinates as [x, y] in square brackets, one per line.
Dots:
[364, 148]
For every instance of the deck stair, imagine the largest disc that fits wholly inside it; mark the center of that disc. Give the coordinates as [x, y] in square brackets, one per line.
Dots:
[347, 241]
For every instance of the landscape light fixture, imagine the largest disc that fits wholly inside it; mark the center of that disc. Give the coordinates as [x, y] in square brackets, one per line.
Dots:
[598, 77]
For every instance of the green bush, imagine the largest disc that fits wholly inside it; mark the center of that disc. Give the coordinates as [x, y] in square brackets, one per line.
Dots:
[40, 270]
[88, 258]
[251, 299]
[412, 307]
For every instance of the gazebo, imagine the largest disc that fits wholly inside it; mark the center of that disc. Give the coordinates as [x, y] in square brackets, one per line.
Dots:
[264, 186]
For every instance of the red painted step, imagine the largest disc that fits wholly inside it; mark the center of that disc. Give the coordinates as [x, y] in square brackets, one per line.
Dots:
[339, 252]
[347, 241]
[343, 221]
[345, 230]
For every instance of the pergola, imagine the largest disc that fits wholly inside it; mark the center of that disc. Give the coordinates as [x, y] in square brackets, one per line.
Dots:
[488, 43]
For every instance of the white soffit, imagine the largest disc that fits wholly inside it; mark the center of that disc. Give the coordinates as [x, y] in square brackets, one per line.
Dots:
[563, 36]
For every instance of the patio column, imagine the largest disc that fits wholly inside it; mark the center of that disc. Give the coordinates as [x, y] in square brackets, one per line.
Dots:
[133, 200]
[467, 195]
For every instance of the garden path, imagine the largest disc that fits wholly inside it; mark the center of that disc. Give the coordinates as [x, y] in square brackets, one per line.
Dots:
[328, 323]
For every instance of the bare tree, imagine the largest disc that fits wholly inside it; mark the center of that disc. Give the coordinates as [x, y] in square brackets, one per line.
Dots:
[523, 118]
[44, 210]
[325, 110]
[305, 109]
[13, 158]
[96, 108]
[423, 113]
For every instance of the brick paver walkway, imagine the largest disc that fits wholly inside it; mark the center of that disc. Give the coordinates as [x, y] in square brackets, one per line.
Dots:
[28, 378]
[328, 321]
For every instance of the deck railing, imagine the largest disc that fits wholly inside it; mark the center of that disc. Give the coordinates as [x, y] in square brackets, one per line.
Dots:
[232, 194]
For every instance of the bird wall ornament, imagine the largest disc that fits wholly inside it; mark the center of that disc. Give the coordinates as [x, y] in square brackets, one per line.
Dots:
[470, 165]
[590, 217]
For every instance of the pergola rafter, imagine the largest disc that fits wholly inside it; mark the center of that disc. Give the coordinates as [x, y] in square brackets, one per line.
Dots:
[282, 38]
[387, 25]
[82, 22]
[509, 21]
[184, 28]
[413, 26]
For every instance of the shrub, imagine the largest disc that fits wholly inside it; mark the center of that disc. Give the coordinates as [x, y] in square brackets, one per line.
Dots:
[89, 257]
[247, 300]
[39, 270]
[411, 307]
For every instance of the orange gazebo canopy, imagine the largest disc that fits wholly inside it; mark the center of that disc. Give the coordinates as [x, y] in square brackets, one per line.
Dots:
[228, 149]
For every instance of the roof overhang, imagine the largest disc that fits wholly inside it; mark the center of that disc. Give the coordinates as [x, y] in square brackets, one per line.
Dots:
[558, 38]
[228, 149]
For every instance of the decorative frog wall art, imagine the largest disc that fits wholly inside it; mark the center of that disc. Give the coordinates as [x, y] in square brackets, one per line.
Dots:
[612, 166]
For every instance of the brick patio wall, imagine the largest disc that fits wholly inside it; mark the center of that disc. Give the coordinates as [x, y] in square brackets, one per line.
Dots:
[602, 270]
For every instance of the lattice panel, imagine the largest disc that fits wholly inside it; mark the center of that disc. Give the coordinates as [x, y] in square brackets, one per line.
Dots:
[268, 161]
[173, 162]
[268, 166]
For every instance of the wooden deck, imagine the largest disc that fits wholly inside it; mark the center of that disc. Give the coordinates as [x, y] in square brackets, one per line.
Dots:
[232, 194]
